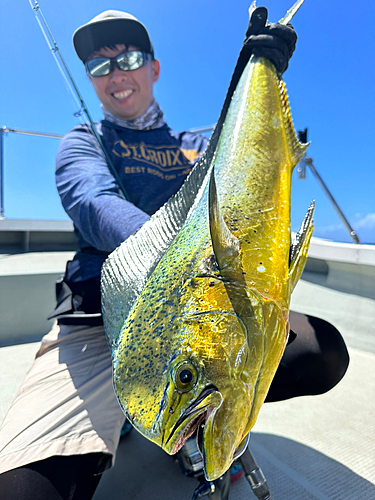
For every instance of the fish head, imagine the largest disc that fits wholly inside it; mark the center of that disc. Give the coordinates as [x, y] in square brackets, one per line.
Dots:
[214, 400]
[234, 339]
[192, 370]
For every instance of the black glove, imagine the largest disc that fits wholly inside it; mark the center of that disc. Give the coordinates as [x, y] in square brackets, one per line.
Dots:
[276, 42]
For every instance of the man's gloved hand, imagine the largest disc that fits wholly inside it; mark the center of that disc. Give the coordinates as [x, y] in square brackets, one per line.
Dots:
[276, 42]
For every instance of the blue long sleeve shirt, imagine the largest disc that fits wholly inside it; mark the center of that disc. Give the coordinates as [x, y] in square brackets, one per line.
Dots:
[152, 165]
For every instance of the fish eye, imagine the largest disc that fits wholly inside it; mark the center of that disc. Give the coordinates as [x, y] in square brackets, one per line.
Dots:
[185, 377]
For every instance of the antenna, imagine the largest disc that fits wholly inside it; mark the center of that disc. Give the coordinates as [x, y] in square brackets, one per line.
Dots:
[56, 52]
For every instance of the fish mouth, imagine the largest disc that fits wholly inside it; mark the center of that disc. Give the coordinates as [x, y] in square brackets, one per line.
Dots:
[195, 416]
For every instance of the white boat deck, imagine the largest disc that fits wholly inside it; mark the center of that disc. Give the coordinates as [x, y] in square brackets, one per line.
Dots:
[310, 448]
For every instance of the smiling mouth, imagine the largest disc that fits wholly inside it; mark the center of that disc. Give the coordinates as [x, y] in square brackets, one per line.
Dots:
[123, 94]
[200, 413]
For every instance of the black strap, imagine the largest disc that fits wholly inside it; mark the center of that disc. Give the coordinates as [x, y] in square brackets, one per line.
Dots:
[77, 303]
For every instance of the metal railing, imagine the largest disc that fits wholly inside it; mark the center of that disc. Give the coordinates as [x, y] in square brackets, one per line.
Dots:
[5, 130]
[308, 162]
[305, 162]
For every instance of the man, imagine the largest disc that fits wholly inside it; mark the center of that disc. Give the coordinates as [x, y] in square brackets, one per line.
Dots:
[63, 428]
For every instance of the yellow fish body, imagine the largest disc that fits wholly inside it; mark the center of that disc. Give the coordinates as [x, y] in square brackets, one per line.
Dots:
[196, 304]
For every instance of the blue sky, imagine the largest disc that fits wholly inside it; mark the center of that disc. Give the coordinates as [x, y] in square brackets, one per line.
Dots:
[330, 83]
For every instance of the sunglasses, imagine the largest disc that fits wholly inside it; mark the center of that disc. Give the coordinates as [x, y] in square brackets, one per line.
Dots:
[128, 61]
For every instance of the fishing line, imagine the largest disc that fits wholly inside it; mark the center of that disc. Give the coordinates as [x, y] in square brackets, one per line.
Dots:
[72, 87]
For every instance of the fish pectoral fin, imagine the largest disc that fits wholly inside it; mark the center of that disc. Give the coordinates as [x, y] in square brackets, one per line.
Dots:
[225, 245]
[300, 247]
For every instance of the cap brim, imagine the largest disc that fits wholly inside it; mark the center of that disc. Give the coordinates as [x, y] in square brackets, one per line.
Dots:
[107, 32]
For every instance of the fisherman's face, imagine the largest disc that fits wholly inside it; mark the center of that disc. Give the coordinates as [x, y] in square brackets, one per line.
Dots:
[125, 94]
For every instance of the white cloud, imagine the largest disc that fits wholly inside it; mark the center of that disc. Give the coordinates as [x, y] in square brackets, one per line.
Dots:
[364, 226]
[368, 221]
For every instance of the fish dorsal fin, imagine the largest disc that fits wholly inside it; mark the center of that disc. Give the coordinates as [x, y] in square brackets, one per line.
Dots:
[300, 247]
[127, 269]
[225, 245]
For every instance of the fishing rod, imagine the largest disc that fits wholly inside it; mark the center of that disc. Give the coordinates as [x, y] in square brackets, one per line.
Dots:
[72, 87]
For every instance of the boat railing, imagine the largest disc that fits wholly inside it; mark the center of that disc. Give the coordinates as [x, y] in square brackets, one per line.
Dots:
[4, 130]
[306, 162]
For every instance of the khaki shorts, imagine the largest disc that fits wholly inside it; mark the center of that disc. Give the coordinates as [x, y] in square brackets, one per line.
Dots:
[66, 405]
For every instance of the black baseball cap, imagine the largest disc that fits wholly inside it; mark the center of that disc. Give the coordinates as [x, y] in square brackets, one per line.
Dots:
[110, 28]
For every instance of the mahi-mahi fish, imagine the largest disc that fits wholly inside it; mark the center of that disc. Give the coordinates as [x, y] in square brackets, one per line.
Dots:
[196, 303]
